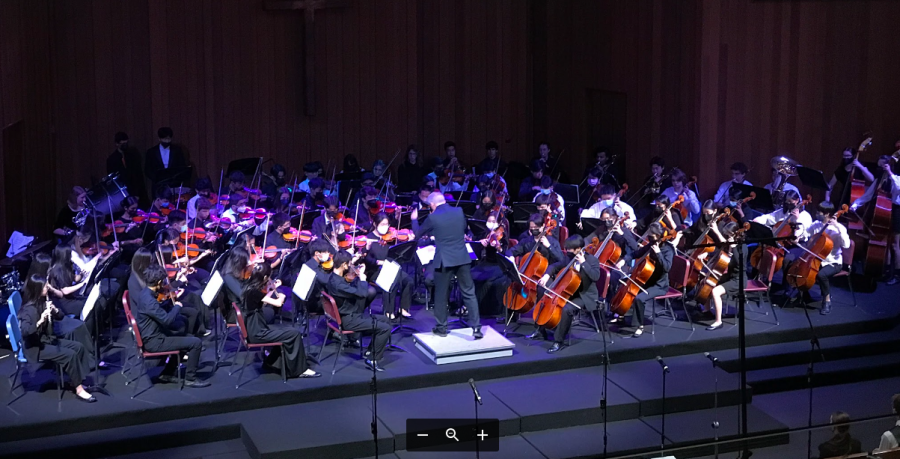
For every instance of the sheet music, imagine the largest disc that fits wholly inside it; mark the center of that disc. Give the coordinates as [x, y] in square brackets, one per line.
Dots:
[212, 288]
[90, 302]
[303, 284]
[471, 252]
[425, 254]
[387, 275]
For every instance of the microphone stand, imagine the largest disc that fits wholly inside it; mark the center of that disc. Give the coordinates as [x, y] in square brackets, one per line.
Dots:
[662, 435]
[603, 392]
[477, 399]
[374, 386]
[810, 373]
[715, 423]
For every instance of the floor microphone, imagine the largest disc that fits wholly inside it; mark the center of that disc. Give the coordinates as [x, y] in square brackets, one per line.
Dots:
[665, 367]
[475, 390]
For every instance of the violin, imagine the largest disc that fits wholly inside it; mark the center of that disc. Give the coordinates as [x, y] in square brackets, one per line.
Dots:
[390, 237]
[802, 273]
[496, 236]
[90, 248]
[166, 292]
[139, 217]
[681, 207]
[154, 218]
[669, 234]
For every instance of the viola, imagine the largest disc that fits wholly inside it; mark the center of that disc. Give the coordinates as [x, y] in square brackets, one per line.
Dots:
[191, 250]
[90, 248]
[327, 265]
[404, 235]
[344, 242]
[390, 237]
[681, 208]
[290, 235]
[360, 242]
[548, 311]
[139, 217]
[802, 273]
[375, 206]
[154, 218]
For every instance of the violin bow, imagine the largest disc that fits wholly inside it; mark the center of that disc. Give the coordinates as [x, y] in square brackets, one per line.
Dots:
[556, 164]
[291, 203]
[178, 201]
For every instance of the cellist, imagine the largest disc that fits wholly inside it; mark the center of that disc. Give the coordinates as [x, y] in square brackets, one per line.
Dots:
[547, 246]
[728, 283]
[588, 269]
[662, 252]
[800, 223]
[826, 222]
[890, 184]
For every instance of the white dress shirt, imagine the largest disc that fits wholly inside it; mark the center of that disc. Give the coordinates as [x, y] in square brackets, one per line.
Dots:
[839, 236]
[804, 221]
[870, 192]
[888, 441]
[192, 207]
[620, 207]
[690, 201]
[722, 193]
[561, 210]
[164, 154]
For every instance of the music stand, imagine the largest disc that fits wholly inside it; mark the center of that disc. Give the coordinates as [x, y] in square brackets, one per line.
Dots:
[107, 196]
[812, 178]
[346, 189]
[94, 282]
[479, 229]
[468, 207]
[308, 218]
[569, 192]
[247, 166]
[523, 210]
[174, 176]
[460, 195]
[589, 225]
[238, 234]
[404, 200]
[402, 254]
[763, 201]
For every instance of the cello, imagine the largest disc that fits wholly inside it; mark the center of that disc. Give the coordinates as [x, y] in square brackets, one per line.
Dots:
[533, 266]
[634, 284]
[715, 269]
[697, 254]
[802, 274]
[783, 229]
[548, 311]
[607, 252]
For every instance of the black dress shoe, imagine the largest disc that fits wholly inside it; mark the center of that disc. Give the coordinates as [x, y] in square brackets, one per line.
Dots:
[537, 335]
[373, 365]
[309, 376]
[826, 308]
[166, 379]
[476, 333]
[196, 383]
[715, 327]
[442, 332]
[556, 348]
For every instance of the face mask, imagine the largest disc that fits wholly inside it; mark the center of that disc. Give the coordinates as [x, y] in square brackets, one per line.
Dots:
[489, 174]
[543, 191]
[608, 202]
[787, 207]
[164, 205]
[593, 182]
[487, 205]
[707, 217]
[732, 203]
[183, 228]
[848, 161]
[820, 217]
[165, 144]
[491, 226]
[382, 229]
[609, 223]
[535, 232]
[242, 209]
[285, 201]
[323, 258]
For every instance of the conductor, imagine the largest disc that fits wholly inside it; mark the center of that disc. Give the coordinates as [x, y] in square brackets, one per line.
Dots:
[447, 226]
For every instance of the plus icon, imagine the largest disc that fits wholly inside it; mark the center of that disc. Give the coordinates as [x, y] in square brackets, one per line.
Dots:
[482, 435]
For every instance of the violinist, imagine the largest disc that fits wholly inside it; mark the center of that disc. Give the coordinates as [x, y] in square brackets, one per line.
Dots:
[65, 220]
[351, 165]
[177, 220]
[411, 171]
[259, 292]
[325, 225]
[192, 318]
[653, 185]
[154, 322]
[40, 322]
[368, 200]
[437, 168]
[161, 204]
[849, 162]
[351, 295]
[377, 245]
[131, 235]
[738, 172]
[280, 225]
[891, 186]
[679, 188]
[382, 181]
[661, 252]
[317, 194]
[113, 283]
[489, 178]
[422, 196]
[547, 204]
[531, 185]
[451, 160]
[587, 297]
[608, 199]
[548, 246]
[312, 170]
[607, 172]
[203, 187]
[205, 220]
[237, 205]
[486, 206]
[548, 161]
[660, 213]
[728, 283]
[589, 194]
[322, 253]
[495, 241]
[236, 268]
[834, 261]
[236, 182]
[492, 163]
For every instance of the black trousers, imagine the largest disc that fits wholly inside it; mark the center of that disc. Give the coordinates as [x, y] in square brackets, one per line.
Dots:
[565, 320]
[188, 344]
[442, 278]
[73, 357]
[640, 304]
[294, 358]
[823, 278]
[404, 284]
[362, 324]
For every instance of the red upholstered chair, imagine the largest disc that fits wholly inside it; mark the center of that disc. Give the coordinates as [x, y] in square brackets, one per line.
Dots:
[513, 243]
[141, 354]
[761, 285]
[602, 291]
[847, 262]
[333, 327]
[246, 344]
[563, 235]
[678, 275]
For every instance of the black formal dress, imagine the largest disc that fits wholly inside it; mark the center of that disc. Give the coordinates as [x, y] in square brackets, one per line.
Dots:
[448, 226]
[258, 331]
[350, 299]
[41, 344]
[154, 325]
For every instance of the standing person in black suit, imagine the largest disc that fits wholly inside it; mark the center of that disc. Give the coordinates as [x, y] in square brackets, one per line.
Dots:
[153, 322]
[447, 225]
[162, 157]
[127, 162]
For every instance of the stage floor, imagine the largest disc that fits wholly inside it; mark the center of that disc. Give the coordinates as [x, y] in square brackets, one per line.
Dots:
[39, 413]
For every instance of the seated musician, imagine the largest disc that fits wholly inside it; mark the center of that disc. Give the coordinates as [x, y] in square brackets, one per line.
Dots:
[168, 242]
[154, 322]
[270, 183]
[321, 252]
[45, 343]
[193, 316]
[204, 218]
[547, 246]
[451, 160]
[708, 212]
[834, 261]
[161, 200]
[679, 188]
[112, 282]
[657, 181]
[608, 200]
[203, 188]
[317, 194]
[492, 163]
[661, 252]
[589, 194]
[312, 171]
[325, 226]
[890, 185]
[275, 237]
[660, 213]
[368, 199]
[376, 255]
[132, 236]
[74, 205]
[236, 182]
[777, 178]
[548, 160]
[258, 293]
[624, 238]
[740, 211]
[488, 169]
[234, 271]
[352, 295]
[728, 283]
[411, 170]
[491, 280]
[738, 172]
[382, 181]
[485, 205]
[556, 202]
[607, 171]
[237, 204]
[531, 185]
[420, 197]
[588, 269]
[849, 161]
[176, 220]
[66, 281]
[790, 208]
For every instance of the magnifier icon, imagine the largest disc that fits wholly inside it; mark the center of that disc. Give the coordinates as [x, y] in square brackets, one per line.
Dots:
[451, 433]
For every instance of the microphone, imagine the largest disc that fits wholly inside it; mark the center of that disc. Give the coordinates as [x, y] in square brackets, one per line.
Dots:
[475, 390]
[662, 364]
[712, 359]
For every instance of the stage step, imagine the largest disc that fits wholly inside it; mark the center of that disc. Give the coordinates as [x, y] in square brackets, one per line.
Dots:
[827, 373]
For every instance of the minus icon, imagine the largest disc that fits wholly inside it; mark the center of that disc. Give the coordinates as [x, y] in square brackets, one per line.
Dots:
[421, 435]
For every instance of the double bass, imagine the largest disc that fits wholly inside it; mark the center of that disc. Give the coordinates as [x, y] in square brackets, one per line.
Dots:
[802, 274]
[879, 225]
[548, 311]
[521, 297]
[855, 186]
